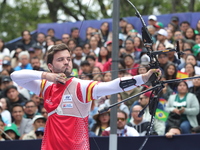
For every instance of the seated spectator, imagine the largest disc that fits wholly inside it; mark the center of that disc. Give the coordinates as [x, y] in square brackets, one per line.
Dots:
[159, 126]
[5, 109]
[15, 57]
[30, 109]
[6, 64]
[39, 133]
[78, 58]
[44, 113]
[130, 93]
[195, 89]
[11, 132]
[123, 130]
[93, 62]
[139, 123]
[184, 104]
[38, 101]
[14, 96]
[36, 64]
[173, 131]
[85, 67]
[37, 122]
[102, 122]
[130, 64]
[24, 59]
[93, 111]
[24, 125]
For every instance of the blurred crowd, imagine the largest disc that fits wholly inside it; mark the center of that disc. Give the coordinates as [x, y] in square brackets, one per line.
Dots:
[23, 115]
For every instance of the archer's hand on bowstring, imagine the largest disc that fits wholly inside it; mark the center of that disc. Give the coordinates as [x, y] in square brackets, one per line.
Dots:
[54, 77]
[147, 75]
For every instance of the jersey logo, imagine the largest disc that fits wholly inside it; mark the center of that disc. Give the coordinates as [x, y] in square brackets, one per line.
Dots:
[67, 98]
[67, 105]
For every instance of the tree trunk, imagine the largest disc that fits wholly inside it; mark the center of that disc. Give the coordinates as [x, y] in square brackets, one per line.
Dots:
[191, 5]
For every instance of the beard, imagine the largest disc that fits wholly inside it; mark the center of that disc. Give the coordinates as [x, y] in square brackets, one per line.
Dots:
[66, 71]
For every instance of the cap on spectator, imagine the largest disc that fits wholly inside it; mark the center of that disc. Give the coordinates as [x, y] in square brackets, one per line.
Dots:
[13, 128]
[163, 32]
[145, 60]
[124, 19]
[38, 117]
[158, 25]
[96, 116]
[169, 46]
[6, 63]
[40, 129]
[108, 43]
[31, 49]
[174, 18]
[152, 17]
[148, 94]
[196, 49]
[6, 79]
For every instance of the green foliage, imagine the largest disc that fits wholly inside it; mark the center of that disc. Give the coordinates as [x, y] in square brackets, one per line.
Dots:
[24, 14]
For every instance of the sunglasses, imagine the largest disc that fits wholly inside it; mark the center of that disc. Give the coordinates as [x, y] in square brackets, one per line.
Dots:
[121, 119]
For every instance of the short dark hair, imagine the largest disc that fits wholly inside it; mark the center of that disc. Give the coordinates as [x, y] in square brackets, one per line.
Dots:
[16, 105]
[90, 56]
[85, 63]
[10, 87]
[185, 22]
[30, 101]
[175, 127]
[120, 111]
[73, 29]
[54, 50]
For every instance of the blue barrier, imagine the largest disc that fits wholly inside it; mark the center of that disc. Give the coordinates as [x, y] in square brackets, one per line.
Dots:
[179, 142]
[65, 27]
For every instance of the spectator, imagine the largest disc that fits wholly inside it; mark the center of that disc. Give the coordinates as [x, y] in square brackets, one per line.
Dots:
[159, 126]
[93, 62]
[30, 109]
[195, 89]
[24, 125]
[104, 32]
[195, 130]
[191, 59]
[86, 49]
[152, 19]
[178, 35]
[103, 55]
[139, 123]
[38, 101]
[38, 52]
[190, 34]
[24, 59]
[163, 60]
[130, 64]
[85, 67]
[51, 33]
[44, 113]
[11, 132]
[130, 49]
[75, 35]
[65, 38]
[72, 44]
[78, 52]
[175, 20]
[102, 122]
[170, 73]
[15, 57]
[184, 26]
[41, 41]
[198, 26]
[35, 64]
[26, 41]
[122, 24]
[94, 45]
[14, 96]
[162, 37]
[39, 133]
[37, 122]
[185, 104]
[122, 129]
[7, 65]
[5, 109]
[173, 131]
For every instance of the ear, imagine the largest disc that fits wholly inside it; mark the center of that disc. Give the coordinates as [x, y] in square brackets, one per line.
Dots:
[50, 66]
